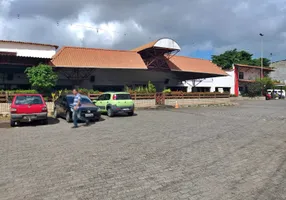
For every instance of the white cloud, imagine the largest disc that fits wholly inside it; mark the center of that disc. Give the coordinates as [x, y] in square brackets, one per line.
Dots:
[196, 25]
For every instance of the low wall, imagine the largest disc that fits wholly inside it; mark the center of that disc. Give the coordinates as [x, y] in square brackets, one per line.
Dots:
[5, 107]
[246, 98]
[144, 103]
[186, 102]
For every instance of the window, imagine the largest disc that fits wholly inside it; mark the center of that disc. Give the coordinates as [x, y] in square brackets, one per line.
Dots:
[84, 100]
[106, 96]
[101, 97]
[123, 96]
[28, 99]
[240, 75]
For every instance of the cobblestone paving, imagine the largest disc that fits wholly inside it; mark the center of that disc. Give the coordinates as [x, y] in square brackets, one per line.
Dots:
[216, 153]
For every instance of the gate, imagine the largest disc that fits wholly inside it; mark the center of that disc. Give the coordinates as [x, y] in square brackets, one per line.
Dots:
[160, 98]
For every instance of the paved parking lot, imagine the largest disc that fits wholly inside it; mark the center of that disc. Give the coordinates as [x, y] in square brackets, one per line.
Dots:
[217, 153]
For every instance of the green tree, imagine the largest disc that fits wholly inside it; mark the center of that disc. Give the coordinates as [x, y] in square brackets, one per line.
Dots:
[230, 57]
[42, 77]
[257, 62]
[266, 82]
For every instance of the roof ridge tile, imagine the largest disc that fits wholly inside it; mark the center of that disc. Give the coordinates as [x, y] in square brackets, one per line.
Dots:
[102, 49]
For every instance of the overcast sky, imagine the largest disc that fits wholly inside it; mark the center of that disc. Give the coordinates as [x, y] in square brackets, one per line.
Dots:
[201, 27]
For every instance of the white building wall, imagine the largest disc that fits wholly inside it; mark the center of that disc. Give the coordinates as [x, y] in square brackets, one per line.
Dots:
[250, 74]
[280, 71]
[213, 83]
[28, 50]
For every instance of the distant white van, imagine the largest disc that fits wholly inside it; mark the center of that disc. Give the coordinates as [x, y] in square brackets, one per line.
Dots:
[277, 91]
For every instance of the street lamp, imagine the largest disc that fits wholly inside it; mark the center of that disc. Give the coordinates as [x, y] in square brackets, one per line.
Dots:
[261, 71]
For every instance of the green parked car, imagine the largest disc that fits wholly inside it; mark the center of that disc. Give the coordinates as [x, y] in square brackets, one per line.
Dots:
[114, 103]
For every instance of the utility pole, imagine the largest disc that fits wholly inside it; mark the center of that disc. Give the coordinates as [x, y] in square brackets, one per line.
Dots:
[261, 71]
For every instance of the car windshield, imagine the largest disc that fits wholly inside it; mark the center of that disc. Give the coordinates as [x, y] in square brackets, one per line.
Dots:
[84, 99]
[123, 96]
[28, 100]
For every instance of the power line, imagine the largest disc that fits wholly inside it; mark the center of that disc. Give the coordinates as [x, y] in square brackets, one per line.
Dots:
[97, 29]
[91, 27]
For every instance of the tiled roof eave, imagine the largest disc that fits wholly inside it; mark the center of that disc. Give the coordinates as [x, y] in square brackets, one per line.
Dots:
[95, 67]
[255, 67]
[201, 72]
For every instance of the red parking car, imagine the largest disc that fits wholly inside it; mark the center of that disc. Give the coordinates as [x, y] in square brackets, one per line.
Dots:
[27, 108]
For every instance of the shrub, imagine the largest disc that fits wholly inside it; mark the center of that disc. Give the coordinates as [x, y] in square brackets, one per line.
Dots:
[127, 89]
[150, 87]
[56, 95]
[254, 89]
[83, 91]
[22, 91]
[167, 90]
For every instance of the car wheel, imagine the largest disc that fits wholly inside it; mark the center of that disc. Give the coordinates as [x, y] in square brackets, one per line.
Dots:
[68, 117]
[12, 123]
[130, 113]
[109, 112]
[56, 113]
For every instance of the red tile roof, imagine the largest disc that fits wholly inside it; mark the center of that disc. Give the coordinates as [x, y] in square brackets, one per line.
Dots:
[186, 64]
[256, 67]
[31, 43]
[145, 46]
[97, 58]
[120, 59]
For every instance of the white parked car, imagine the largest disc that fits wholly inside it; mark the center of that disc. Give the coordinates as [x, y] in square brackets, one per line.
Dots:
[277, 91]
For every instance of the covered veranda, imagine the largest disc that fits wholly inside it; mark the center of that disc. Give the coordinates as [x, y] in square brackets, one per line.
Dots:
[12, 70]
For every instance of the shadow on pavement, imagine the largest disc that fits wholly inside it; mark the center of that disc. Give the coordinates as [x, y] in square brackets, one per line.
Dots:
[51, 121]
[123, 115]
[4, 124]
